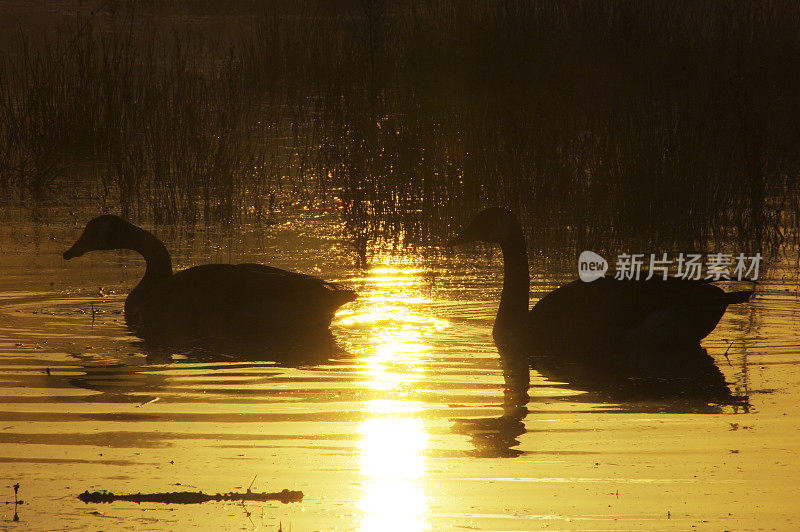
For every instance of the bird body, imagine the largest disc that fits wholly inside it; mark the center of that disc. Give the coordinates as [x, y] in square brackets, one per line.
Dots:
[212, 300]
[609, 312]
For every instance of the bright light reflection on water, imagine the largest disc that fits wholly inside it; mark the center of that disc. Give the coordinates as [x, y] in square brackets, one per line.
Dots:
[393, 437]
[393, 466]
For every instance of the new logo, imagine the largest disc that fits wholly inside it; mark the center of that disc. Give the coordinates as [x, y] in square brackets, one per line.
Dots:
[591, 266]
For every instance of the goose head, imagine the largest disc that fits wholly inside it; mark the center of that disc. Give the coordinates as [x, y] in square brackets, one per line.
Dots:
[104, 232]
[495, 225]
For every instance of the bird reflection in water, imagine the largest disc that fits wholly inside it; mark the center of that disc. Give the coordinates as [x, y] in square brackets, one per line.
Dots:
[497, 437]
[138, 377]
[678, 378]
[289, 350]
[690, 382]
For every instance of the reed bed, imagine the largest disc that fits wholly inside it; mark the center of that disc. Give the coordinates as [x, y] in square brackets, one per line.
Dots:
[672, 123]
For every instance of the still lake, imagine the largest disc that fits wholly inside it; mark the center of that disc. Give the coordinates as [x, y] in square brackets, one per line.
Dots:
[405, 427]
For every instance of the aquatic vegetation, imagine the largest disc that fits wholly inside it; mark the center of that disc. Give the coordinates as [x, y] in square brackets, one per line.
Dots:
[670, 122]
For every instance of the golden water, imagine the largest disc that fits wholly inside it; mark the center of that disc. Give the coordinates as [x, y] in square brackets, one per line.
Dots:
[405, 430]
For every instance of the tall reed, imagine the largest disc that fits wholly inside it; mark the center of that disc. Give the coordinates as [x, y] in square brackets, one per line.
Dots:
[672, 123]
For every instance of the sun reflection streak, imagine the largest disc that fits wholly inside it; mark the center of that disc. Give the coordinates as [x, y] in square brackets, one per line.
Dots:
[393, 465]
[394, 320]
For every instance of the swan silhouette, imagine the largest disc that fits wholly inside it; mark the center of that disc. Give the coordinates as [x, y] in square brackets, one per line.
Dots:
[627, 328]
[212, 300]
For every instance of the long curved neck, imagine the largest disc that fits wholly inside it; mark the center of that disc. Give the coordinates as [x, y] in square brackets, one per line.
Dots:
[516, 282]
[159, 263]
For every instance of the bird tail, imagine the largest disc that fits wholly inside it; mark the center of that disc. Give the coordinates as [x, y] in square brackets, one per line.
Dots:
[348, 295]
[738, 297]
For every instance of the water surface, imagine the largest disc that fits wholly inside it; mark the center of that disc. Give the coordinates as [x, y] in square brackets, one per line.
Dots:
[408, 426]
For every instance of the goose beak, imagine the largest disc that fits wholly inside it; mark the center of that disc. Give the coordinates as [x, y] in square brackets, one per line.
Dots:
[73, 252]
[83, 245]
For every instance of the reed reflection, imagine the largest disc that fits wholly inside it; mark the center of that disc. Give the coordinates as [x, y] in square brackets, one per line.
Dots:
[396, 331]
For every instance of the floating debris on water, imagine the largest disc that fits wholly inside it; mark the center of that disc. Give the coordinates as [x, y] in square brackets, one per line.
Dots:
[191, 497]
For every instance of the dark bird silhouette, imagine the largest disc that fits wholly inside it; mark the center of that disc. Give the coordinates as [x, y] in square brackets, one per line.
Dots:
[213, 301]
[632, 333]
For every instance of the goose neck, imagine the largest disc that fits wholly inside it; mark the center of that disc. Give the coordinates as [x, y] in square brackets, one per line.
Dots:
[159, 263]
[516, 280]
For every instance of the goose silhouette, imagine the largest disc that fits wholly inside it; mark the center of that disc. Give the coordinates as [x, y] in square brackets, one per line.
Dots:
[212, 300]
[645, 329]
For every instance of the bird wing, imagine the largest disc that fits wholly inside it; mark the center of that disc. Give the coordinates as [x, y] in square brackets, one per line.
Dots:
[216, 299]
[607, 309]
[255, 284]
